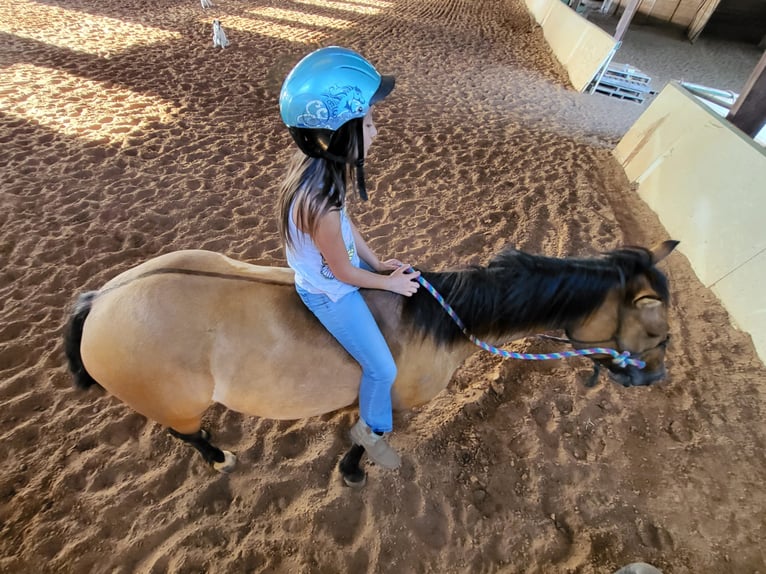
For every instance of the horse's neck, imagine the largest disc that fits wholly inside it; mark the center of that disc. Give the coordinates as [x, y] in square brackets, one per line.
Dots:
[427, 348]
[403, 335]
[514, 298]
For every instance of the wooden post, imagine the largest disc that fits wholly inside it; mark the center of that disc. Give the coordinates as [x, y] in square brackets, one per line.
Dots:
[749, 111]
[606, 6]
[627, 16]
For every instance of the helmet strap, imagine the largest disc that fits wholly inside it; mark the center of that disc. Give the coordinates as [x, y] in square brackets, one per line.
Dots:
[310, 145]
[313, 148]
[360, 184]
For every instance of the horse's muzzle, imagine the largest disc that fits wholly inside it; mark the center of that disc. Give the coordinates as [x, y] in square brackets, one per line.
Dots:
[635, 377]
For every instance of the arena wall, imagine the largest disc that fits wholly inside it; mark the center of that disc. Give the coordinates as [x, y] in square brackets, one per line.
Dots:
[580, 46]
[706, 180]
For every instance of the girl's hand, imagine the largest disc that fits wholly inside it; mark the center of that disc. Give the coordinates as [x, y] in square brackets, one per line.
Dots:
[389, 265]
[404, 280]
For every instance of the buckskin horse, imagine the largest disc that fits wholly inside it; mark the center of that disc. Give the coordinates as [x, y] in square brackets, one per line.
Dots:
[186, 329]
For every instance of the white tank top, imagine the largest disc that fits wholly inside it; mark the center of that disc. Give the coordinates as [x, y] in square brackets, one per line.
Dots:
[311, 270]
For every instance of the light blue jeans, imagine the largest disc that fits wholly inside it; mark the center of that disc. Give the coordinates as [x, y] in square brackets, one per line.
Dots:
[352, 324]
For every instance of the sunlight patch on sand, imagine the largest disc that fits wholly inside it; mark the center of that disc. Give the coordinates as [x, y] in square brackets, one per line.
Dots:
[372, 3]
[302, 18]
[290, 33]
[358, 7]
[75, 106]
[78, 31]
[295, 26]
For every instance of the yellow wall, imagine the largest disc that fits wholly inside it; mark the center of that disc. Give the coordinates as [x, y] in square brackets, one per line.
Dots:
[707, 183]
[580, 46]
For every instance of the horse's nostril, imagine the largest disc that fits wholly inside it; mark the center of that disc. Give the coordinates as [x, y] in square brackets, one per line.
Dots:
[621, 378]
[636, 377]
[645, 379]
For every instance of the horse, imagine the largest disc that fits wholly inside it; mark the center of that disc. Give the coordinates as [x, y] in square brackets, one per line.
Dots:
[185, 329]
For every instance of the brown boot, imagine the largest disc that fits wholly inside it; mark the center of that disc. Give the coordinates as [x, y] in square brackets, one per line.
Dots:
[379, 451]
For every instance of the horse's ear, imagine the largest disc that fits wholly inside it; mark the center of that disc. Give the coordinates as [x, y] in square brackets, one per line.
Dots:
[662, 250]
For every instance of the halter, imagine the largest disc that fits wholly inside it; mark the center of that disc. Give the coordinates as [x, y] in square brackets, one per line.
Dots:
[621, 359]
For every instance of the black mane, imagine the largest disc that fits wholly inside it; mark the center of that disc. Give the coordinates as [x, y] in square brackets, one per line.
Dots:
[519, 291]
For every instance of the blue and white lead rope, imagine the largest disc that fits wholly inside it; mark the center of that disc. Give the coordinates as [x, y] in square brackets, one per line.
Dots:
[622, 360]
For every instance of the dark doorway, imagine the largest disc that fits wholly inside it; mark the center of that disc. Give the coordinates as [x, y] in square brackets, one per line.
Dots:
[738, 20]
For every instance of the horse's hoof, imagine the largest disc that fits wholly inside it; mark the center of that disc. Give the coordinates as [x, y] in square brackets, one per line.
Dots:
[228, 464]
[356, 481]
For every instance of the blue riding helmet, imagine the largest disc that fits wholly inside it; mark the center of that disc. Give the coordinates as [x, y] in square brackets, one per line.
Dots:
[329, 87]
[325, 90]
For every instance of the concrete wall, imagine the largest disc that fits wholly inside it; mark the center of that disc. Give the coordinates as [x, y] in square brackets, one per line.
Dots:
[580, 46]
[706, 181]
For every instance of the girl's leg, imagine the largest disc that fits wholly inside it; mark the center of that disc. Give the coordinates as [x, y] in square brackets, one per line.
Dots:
[352, 324]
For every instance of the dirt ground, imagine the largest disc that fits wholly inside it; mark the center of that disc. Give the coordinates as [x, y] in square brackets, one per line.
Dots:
[125, 134]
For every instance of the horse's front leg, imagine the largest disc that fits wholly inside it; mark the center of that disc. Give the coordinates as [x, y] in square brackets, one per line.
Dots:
[352, 473]
[221, 460]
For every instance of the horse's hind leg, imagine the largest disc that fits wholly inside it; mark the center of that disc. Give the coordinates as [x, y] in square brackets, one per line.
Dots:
[352, 473]
[221, 460]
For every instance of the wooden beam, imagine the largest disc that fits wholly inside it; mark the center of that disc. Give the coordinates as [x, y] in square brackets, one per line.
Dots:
[749, 111]
[627, 16]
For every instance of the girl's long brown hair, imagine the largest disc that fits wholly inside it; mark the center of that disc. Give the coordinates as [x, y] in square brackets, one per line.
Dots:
[318, 185]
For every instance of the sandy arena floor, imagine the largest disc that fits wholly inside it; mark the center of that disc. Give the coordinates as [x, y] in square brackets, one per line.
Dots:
[124, 134]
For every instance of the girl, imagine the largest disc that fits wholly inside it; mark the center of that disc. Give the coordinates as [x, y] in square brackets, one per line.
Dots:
[326, 103]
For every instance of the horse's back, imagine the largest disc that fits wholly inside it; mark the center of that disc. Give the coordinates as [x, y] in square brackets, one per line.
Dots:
[193, 327]
[209, 263]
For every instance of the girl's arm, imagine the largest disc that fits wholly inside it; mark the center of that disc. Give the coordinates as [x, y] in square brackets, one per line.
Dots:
[329, 240]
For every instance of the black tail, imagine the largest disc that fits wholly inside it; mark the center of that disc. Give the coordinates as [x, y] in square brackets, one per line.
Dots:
[73, 338]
